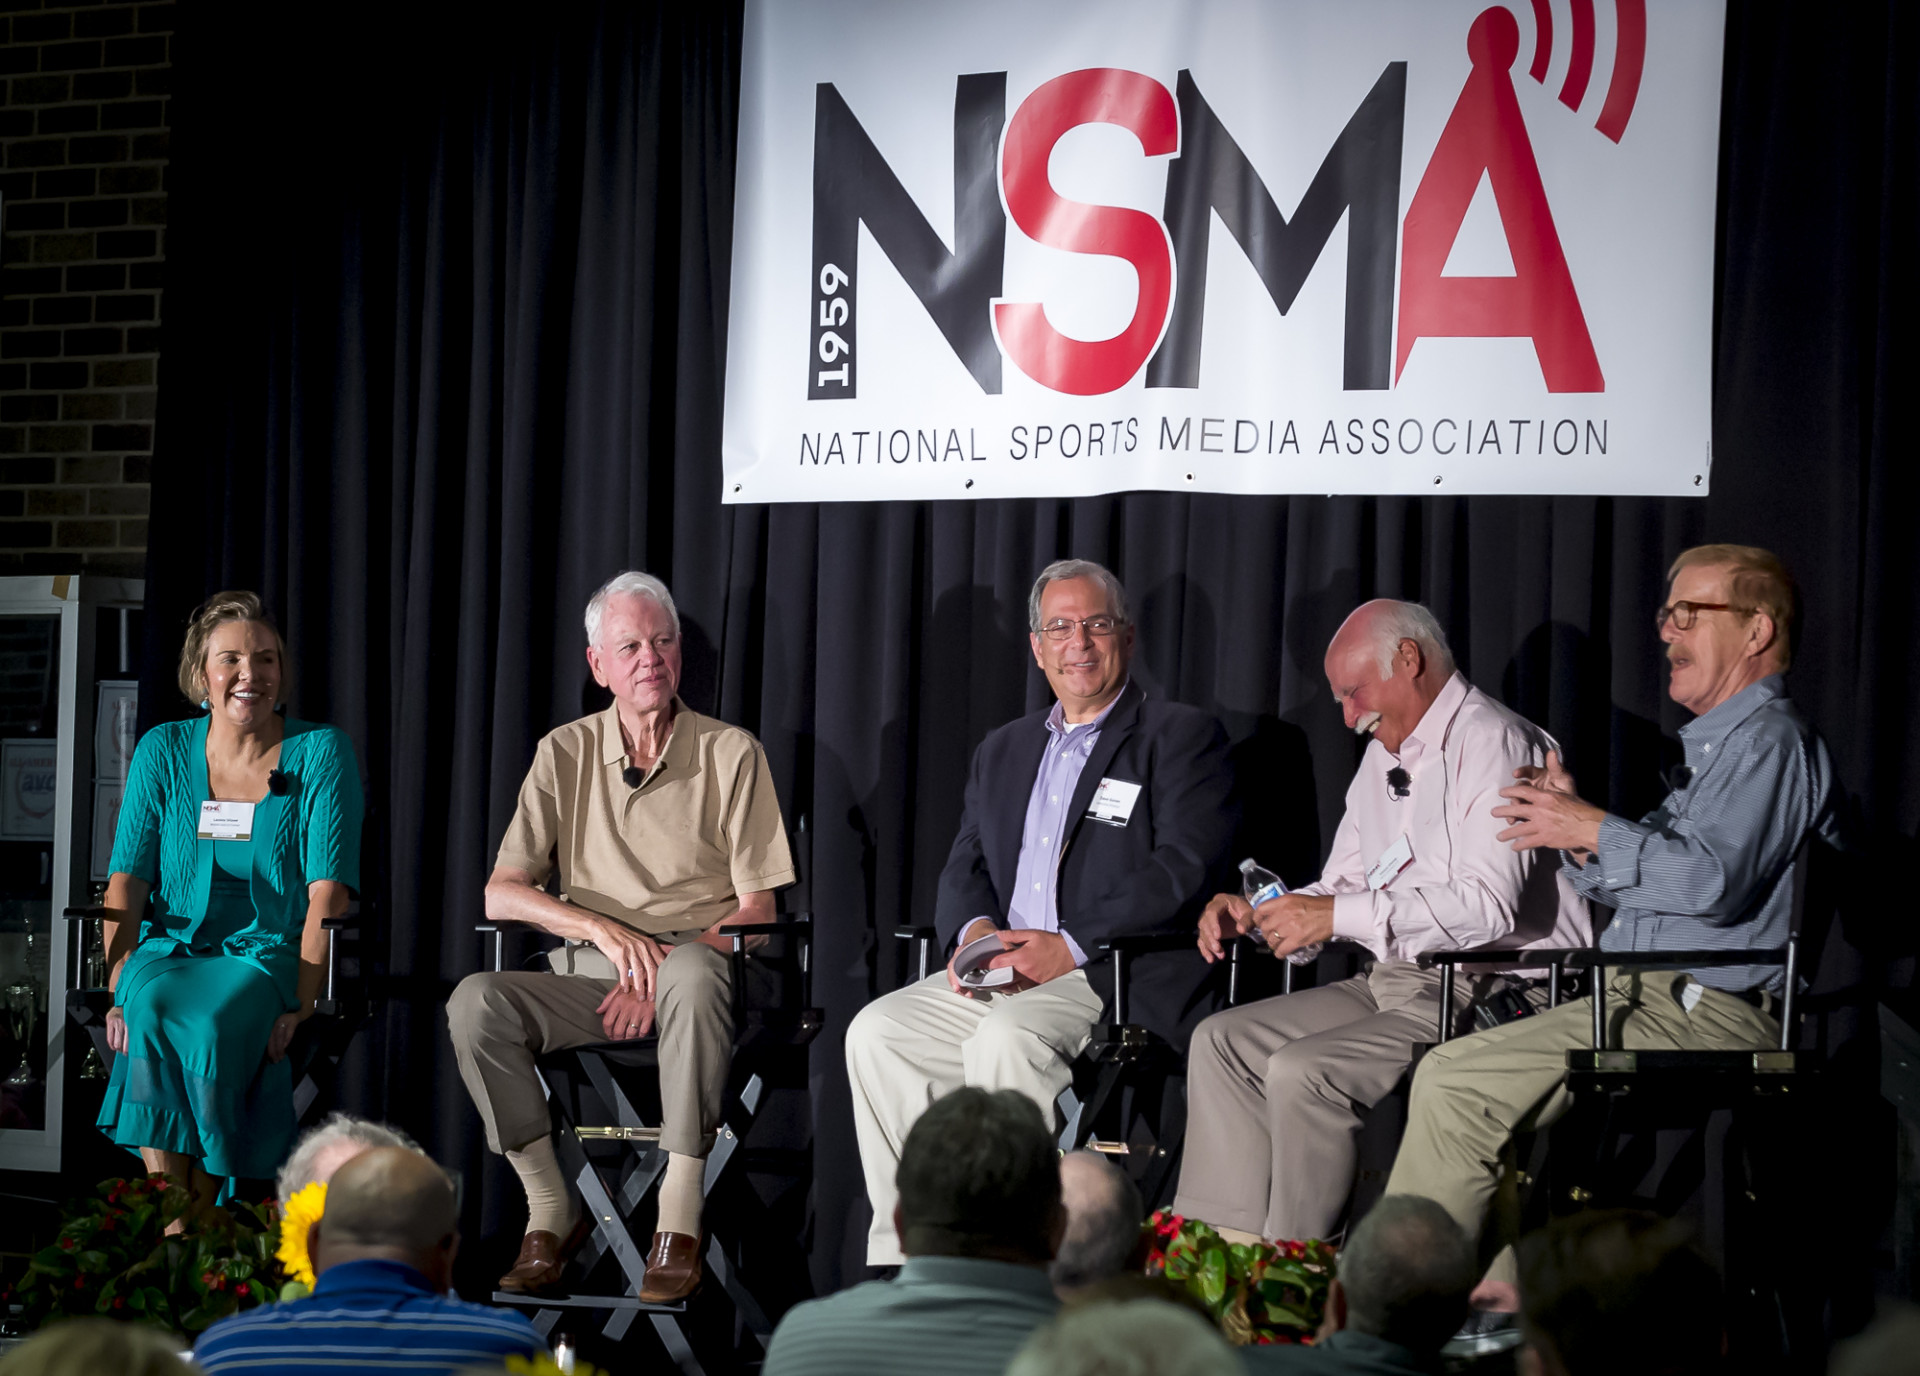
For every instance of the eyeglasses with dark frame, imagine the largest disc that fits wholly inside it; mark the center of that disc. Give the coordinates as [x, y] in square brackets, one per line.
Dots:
[1061, 626]
[1685, 613]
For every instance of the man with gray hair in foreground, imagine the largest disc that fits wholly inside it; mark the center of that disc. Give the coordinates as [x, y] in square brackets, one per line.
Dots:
[1399, 1294]
[1104, 1213]
[325, 1148]
[1277, 1089]
[383, 1252]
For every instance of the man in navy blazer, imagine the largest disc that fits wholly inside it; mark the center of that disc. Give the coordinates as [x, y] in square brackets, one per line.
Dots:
[1109, 814]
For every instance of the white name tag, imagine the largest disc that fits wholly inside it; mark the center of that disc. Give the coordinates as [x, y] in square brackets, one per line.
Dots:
[221, 821]
[1113, 802]
[1393, 859]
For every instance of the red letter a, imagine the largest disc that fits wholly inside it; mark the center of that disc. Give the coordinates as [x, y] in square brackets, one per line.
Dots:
[1486, 133]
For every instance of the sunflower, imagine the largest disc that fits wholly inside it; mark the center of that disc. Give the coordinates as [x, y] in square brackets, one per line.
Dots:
[296, 1226]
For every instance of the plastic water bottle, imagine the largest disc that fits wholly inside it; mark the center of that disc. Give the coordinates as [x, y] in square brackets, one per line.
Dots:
[1261, 885]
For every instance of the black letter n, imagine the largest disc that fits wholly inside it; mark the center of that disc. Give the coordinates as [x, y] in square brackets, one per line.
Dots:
[852, 183]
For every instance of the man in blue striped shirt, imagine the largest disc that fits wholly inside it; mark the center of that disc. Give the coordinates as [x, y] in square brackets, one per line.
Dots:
[1710, 869]
[383, 1252]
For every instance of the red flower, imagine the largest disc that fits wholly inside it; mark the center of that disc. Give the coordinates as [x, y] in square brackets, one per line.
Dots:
[106, 1225]
[119, 1302]
[79, 1283]
[243, 1289]
[206, 1278]
[67, 1244]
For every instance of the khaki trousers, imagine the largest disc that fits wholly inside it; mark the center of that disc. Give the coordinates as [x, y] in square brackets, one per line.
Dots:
[1276, 1092]
[502, 1021]
[1470, 1096]
[910, 1047]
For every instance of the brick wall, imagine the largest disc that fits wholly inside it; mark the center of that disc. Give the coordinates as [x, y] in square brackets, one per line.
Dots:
[83, 157]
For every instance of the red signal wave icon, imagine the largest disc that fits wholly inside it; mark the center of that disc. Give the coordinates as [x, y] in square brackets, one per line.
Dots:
[1629, 59]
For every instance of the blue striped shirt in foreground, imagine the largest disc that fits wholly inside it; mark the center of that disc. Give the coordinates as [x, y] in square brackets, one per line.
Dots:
[1710, 869]
[366, 1316]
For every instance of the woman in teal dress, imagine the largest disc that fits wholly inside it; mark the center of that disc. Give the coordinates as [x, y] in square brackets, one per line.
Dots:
[244, 827]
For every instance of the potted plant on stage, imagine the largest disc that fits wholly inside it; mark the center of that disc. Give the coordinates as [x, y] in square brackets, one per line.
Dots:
[1271, 1292]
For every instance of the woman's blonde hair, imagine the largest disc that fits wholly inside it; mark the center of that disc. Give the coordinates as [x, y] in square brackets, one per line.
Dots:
[234, 604]
[86, 1347]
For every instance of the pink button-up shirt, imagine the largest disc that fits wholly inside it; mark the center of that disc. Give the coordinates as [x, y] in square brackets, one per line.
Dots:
[1462, 887]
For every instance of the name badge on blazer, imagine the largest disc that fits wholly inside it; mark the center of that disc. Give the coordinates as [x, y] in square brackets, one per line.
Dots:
[1113, 802]
[225, 821]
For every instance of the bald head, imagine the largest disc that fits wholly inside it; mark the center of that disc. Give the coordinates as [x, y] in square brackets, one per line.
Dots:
[1386, 664]
[390, 1204]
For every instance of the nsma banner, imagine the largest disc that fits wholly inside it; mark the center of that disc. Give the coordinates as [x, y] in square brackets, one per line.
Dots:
[1000, 248]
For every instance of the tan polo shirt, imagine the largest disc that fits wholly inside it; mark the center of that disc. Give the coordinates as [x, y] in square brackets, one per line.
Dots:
[673, 854]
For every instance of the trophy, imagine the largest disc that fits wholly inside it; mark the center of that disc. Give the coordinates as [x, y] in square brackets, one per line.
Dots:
[22, 1004]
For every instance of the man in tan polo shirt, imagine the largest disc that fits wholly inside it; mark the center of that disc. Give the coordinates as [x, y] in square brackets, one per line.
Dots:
[664, 828]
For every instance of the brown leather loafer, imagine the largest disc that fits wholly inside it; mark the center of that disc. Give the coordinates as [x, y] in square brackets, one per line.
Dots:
[673, 1268]
[543, 1258]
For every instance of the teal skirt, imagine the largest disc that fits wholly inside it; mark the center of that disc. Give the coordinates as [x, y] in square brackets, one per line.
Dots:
[195, 1077]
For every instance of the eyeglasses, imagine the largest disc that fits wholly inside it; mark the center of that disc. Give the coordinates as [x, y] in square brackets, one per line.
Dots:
[1399, 783]
[1062, 627]
[1684, 614]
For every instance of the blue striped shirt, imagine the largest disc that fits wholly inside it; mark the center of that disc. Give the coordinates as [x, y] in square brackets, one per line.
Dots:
[1710, 869]
[366, 1317]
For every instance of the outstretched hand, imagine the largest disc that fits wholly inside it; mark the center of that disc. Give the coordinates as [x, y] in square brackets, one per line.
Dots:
[1543, 810]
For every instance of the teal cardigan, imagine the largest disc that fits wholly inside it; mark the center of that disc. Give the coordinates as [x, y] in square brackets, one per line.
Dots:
[310, 832]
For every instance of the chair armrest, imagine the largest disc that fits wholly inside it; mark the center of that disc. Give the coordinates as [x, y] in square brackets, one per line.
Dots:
[1679, 960]
[1504, 957]
[88, 914]
[746, 929]
[925, 936]
[929, 931]
[1146, 943]
[498, 931]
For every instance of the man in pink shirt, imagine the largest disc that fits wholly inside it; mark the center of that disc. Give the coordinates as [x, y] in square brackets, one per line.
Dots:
[1276, 1090]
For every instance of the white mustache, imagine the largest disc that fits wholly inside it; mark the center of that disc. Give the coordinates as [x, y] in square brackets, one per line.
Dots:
[1367, 724]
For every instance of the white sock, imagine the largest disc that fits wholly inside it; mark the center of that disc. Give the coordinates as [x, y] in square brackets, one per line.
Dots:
[680, 1196]
[549, 1201]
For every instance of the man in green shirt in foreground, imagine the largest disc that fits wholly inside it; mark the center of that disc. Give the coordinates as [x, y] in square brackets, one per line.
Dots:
[979, 1220]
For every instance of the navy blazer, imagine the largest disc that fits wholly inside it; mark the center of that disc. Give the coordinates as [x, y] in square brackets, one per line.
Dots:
[1154, 874]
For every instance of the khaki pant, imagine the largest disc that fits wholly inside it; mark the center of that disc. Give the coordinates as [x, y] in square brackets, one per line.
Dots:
[502, 1021]
[1276, 1092]
[1470, 1096]
[910, 1047]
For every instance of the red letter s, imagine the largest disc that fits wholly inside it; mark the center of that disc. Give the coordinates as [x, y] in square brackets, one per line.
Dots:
[1096, 95]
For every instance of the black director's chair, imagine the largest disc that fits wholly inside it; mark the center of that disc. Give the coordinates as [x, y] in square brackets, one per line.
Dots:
[1127, 1099]
[342, 1010]
[1651, 1127]
[604, 1100]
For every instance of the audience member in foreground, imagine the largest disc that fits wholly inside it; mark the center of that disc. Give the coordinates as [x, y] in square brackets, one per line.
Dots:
[979, 1218]
[1108, 814]
[326, 1147]
[1400, 1293]
[384, 1255]
[1618, 1291]
[1143, 1338]
[96, 1347]
[1278, 1089]
[1711, 868]
[1104, 1214]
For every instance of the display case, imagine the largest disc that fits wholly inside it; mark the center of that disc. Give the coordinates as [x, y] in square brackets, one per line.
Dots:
[67, 702]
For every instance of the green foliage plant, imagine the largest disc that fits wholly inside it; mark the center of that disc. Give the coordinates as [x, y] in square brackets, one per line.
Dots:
[1269, 1292]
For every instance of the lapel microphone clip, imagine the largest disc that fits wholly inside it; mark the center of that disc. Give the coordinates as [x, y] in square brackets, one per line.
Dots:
[278, 784]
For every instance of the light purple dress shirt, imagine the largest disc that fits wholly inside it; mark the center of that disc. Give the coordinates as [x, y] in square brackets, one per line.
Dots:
[1035, 902]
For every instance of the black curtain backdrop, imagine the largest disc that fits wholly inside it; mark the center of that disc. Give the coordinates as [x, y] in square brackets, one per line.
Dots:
[446, 322]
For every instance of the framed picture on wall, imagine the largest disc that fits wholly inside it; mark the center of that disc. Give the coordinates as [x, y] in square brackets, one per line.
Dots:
[113, 727]
[29, 773]
[106, 820]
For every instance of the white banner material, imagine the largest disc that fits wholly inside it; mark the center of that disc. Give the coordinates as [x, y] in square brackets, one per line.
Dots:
[1005, 249]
